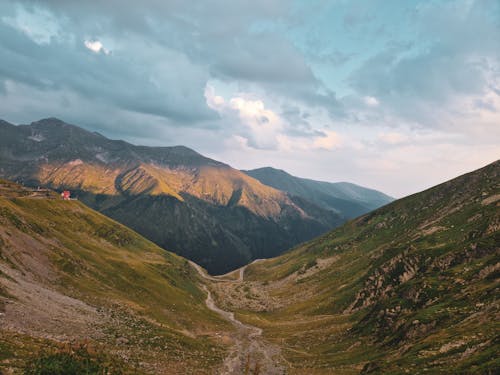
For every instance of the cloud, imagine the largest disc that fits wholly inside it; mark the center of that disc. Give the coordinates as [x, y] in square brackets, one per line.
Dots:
[256, 126]
[140, 78]
[37, 23]
[329, 141]
[425, 80]
[259, 126]
[324, 89]
[95, 46]
[370, 101]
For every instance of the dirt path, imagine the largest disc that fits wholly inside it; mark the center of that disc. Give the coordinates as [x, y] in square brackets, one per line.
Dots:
[225, 277]
[242, 269]
[241, 274]
[204, 273]
[250, 351]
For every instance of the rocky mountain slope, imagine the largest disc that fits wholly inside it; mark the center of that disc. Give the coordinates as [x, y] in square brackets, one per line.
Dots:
[70, 274]
[198, 207]
[349, 200]
[411, 287]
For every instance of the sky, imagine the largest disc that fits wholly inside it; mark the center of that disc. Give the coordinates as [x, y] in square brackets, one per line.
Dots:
[390, 94]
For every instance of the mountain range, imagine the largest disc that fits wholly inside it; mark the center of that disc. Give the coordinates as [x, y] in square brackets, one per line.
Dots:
[200, 208]
[411, 287]
[347, 199]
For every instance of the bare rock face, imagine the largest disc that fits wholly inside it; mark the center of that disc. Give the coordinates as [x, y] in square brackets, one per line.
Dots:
[398, 270]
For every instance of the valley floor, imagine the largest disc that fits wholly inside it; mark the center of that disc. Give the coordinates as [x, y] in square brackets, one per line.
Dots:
[258, 346]
[250, 352]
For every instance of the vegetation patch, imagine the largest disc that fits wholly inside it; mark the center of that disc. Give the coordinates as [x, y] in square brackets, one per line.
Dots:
[114, 234]
[74, 359]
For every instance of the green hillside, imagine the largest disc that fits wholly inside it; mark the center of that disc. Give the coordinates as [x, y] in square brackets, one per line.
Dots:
[70, 274]
[410, 288]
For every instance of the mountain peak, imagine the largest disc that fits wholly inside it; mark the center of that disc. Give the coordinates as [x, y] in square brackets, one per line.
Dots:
[268, 170]
[5, 123]
[49, 121]
[177, 197]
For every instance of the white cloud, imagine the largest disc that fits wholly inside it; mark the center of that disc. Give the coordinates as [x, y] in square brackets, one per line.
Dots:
[263, 125]
[371, 101]
[256, 126]
[215, 102]
[95, 46]
[247, 118]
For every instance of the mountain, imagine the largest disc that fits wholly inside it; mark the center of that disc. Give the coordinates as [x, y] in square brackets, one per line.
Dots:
[197, 207]
[347, 199]
[411, 287]
[71, 275]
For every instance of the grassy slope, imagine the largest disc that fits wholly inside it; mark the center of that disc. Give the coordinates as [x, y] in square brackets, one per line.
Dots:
[137, 299]
[411, 286]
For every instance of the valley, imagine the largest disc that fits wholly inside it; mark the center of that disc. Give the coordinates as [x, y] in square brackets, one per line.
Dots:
[411, 286]
[246, 187]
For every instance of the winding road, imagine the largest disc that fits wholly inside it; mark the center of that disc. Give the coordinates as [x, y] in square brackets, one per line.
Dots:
[250, 351]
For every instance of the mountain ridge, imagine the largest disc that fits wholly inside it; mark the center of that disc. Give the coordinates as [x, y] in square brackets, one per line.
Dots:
[348, 199]
[228, 218]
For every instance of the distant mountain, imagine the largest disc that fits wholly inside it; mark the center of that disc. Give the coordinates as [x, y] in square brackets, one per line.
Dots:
[347, 199]
[197, 207]
[411, 287]
[70, 274]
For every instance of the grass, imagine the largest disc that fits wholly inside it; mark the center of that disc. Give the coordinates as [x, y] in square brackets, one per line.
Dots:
[152, 295]
[74, 359]
[376, 318]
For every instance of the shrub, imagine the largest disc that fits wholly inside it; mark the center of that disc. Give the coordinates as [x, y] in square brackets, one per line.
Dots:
[76, 359]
